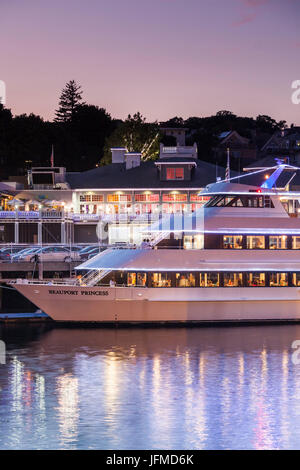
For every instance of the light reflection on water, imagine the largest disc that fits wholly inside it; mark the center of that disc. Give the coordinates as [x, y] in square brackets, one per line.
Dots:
[177, 388]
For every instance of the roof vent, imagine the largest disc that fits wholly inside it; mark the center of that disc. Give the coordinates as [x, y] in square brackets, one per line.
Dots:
[118, 154]
[133, 160]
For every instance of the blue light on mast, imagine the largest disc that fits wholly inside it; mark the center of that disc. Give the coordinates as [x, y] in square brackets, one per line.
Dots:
[270, 182]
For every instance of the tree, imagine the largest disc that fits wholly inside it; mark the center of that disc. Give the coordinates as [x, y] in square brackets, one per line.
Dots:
[267, 124]
[137, 136]
[70, 100]
[225, 113]
[173, 122]
[92, 126]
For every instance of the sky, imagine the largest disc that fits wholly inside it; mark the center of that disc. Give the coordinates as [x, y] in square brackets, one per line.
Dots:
[164, 58]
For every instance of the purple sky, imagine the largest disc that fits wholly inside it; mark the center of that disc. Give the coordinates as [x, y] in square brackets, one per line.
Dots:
[160, 57]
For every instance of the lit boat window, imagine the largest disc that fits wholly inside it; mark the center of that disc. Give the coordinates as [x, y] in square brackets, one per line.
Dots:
[233, 279]
[209, 280]
[131, 279]
[141, 279]
[255, 242]
[256, 280]
[185, 280]
[296, 243]
[233, 242]
[279, 280]
[161, 280]
[278, 242]
[296, 279]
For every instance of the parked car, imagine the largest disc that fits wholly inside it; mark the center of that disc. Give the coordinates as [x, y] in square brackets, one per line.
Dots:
[20, 254]
[72, 247]
[49, 253]
[95, 252]
[90, 252]
[7, 253]
[4, 256]
[11, 248]
[85, 249]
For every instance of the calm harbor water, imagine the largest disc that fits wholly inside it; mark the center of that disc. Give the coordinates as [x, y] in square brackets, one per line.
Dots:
[164, 388]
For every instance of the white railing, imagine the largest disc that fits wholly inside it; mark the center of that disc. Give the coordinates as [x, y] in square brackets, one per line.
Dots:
[158, 238]
[85, 216]
[179, 149]
[52, 282]
[52, 214]
[31, 214]
[28, 215]
[91, 278]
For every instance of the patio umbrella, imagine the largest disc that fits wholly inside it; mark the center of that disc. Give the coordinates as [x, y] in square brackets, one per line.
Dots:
[33, 202]
[15, 202]
[53, 202]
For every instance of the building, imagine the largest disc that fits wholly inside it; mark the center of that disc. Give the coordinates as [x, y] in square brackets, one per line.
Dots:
[284, 144]
[241, 148]
[56, 206]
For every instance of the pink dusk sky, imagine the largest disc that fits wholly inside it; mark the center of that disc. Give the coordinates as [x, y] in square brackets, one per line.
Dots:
[164, 58]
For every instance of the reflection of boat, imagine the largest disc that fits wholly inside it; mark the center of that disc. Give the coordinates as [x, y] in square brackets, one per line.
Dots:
[138, 342]
[237, 259]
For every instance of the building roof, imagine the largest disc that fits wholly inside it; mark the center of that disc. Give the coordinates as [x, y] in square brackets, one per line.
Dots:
[265, 162]
[224, 134]
[115, 176]
[224, 137]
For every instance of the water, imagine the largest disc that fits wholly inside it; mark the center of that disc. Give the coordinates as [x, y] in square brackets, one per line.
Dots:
[168, 388]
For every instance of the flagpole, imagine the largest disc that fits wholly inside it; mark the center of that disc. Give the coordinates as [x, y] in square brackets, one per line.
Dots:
[52, 157]
[227, 173]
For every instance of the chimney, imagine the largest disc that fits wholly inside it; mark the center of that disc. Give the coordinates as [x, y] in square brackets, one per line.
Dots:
[133, 159]
[118, 154]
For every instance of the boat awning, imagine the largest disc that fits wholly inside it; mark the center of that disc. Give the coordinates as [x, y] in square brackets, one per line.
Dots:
[194, 260]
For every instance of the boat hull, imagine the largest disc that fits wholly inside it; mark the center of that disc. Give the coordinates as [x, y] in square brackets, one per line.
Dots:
[167, 305]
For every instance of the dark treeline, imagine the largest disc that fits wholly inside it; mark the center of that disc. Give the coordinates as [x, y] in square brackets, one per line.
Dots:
[82, 134]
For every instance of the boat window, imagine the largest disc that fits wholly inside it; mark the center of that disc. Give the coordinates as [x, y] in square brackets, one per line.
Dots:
[188, 242]
[278, 242]
[209, 279]
[161, 280]
[141, 279]
[241, 201]
[233, 279]
[279, 280]
[237, 203]
[296, 279]
[233, 242]
[193, 242]
[296, 243]
[185, 280]
[255, 242]
[216, 201]
[255, 280]
[131, 279]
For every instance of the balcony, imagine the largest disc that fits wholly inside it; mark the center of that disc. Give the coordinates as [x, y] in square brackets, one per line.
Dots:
[29, 215]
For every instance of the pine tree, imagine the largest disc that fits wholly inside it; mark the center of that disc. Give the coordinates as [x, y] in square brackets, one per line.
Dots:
[70, 100]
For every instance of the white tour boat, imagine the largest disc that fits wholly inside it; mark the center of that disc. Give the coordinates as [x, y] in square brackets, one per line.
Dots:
[235, 260]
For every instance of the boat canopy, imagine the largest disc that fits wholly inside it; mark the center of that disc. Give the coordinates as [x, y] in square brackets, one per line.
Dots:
[191, 260]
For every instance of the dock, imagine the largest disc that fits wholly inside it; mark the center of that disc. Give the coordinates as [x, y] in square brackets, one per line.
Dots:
[40, 270]
[12, 300]
[24, 317]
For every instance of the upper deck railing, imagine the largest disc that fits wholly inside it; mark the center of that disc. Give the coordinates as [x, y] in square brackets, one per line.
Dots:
[28, 215]
[179, 149]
